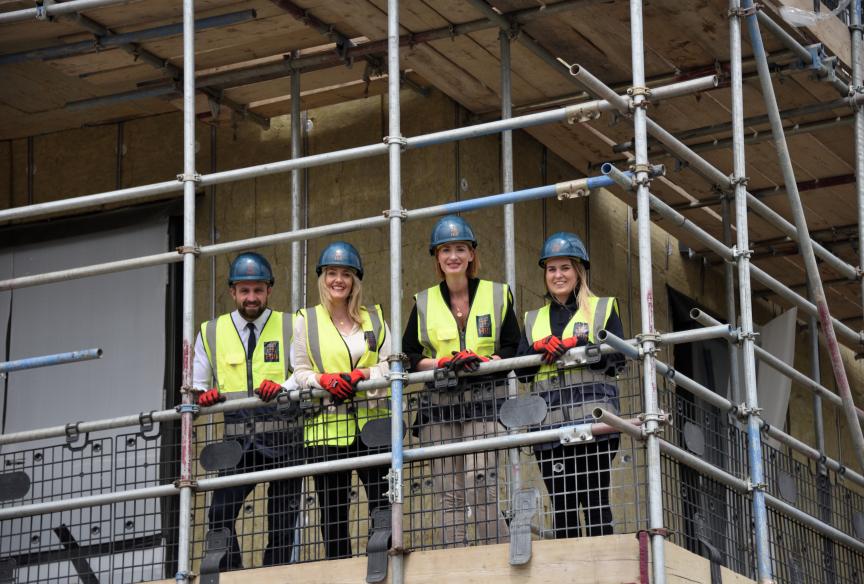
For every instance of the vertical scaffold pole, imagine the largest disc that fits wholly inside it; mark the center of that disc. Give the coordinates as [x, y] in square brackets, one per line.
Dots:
[858, 87]
[514, 468]
[395, 143]
[805, 244]
[742, 256]
[731, 312]
[189, 178]
[646, 293]
[297, 272]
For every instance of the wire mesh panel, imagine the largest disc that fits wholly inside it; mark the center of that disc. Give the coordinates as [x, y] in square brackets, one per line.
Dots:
[121, 542]
[581, 489]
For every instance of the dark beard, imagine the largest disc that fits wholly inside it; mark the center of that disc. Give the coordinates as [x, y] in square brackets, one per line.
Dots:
[251, 313]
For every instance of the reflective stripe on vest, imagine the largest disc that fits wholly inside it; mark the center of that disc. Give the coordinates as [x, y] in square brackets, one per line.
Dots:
[439, 332]
[337, 426]
[594, 316]
[227, 354]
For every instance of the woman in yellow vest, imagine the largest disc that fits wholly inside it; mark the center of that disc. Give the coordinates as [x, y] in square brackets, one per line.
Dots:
[579, 474]
[337, 344]
[457, 324]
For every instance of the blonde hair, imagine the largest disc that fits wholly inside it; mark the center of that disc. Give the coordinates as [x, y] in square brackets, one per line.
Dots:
[473, 265]
[355, 298]
[584, 292]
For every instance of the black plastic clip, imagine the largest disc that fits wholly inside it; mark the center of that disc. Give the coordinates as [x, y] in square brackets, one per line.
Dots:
[146, 426]
[215, 547]
[445, 380]
[72, 436]
[379, 544]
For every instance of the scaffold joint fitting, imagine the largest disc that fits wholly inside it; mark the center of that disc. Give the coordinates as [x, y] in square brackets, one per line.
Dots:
[189, 177]
[745, 411]
[182, 576]
[572, 435]
[637, 90]
[394, 486]
[856, 27]
[661, 531]
[737, 254]
[186, 483]
[734, 181]
[581, 114]
[743, 12]
[193, 249]
[401, 140]
[746, 335]
[751, 486]
[645, 338]
[42, 10]
[401, 213]
[193, 409]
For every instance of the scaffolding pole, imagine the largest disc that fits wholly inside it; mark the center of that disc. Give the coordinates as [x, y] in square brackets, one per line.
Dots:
[638, 105]
[43, 12]
[187, 406]
[806, 246]
[49, 360]
[738, 182]
[395, 142]
[855, 91]
[731, 311]
[297, 269]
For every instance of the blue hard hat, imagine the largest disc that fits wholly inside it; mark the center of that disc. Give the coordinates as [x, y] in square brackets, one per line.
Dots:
[250, 267]
[563, 245]
[448, 229]
[340, 253]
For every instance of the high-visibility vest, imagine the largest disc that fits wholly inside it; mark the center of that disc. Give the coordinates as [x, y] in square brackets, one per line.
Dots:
[587, 321]
[439, 332]
[336, 425]
[234, 374]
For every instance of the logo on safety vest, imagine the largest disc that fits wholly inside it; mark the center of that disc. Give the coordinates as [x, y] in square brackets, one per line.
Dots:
[271, 352]
[580, 330]
[484, 325]
[371, 341]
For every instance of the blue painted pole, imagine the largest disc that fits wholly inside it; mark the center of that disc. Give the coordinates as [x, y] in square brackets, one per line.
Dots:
[50, 360]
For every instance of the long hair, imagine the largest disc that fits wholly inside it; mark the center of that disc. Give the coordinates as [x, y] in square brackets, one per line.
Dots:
[355, 298]
[471, 272]
[583, 292]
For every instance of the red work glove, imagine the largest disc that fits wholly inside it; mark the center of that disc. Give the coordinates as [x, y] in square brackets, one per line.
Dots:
[466, 360]
[443, 362]
[573, 342]
[354, 377]
[268, 390]
[211, 397]
[550, 347]
[337, 385]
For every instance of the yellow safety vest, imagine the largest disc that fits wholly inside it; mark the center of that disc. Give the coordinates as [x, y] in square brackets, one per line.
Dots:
[337, 426]
[593, 317]
[439, 332]
[234, 374]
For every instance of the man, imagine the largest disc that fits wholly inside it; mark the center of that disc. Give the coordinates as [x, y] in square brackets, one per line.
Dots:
[246, 353]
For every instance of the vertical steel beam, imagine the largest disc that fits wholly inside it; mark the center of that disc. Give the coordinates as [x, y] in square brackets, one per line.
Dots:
[817, 292]
[742, 257]
[189, 178]
[395, 142]
[646, 294]
[513, 465]
[297, 272]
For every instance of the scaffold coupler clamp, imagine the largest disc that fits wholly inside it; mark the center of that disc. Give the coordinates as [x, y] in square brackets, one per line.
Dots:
[402, 359]
[740, 12]
[634, 92]
[42, 10]
[743, 411]
[193, 409]
[184, 576]
[751, 486]
[574, 189]
[581, 113]
[745, 335]
[401, 213]
[643, 339]
[189, 177]
[193, 249]
[394, 486]
[401, 140]
[649, 172]
[660, 418]
[738, 254]
[576, 434]
[742, 180]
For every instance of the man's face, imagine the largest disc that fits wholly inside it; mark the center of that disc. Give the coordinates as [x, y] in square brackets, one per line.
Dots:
[250, 298]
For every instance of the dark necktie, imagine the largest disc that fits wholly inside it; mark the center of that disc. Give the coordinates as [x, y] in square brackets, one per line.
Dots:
[250, 344]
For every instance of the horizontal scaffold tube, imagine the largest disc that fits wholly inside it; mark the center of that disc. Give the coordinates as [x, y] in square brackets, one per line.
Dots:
[50, 360]
[731, 481]
[706, 169]
[583, 432]
[577, 187]
[56, 9]
[718, 401]
[779, 366]
[419, 377]
[158, 190]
